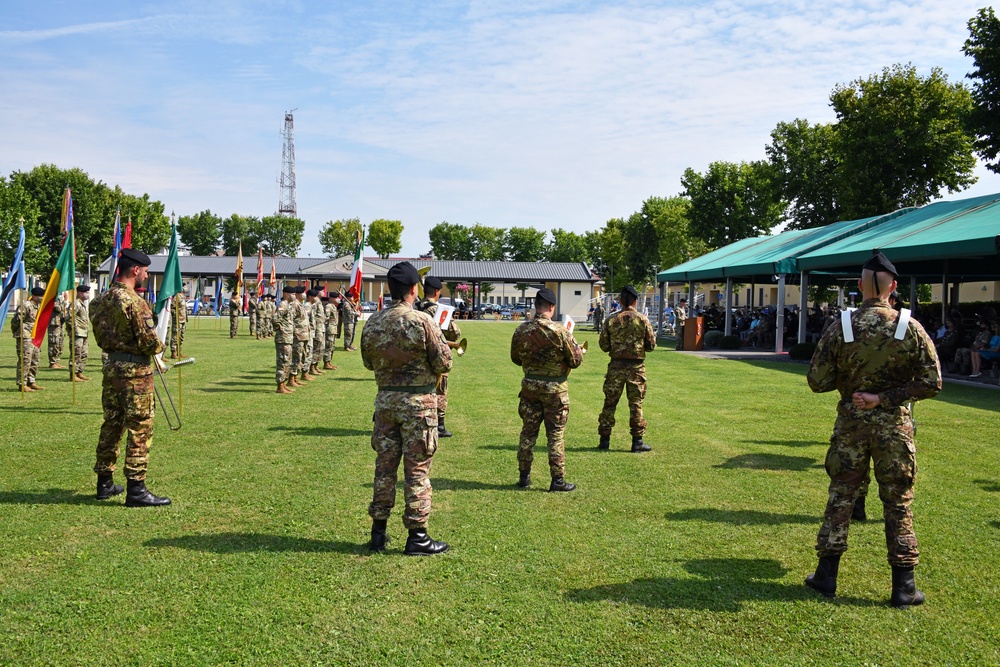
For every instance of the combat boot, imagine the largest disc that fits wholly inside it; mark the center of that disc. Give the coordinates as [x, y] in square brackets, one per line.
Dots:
[293, 381]
[327, 366]
[904, 589]
[638, 445]
[56, 365]
[36, 387]
[106, 486]
[824, 579]
[315, 370]
[378, 536]
[442, 431]
[560, 484]
[82, 378]
[858, 513]
[525, 480]
[419, 543]
[605, 442]
[283, 389]
[140, 496]
[305, 377]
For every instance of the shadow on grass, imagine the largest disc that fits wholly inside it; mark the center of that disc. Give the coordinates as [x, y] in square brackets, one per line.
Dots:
[227, 390]
[446, 484]
[995, 524]
[786, 443]
[257, 382]
[988, 485]
[320, 431]
[721, 584]
[234, 543]
[30, 408]
[762, 461]
[742, 517]
[47, 497]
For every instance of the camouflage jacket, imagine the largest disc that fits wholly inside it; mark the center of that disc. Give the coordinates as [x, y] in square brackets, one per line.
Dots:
[628, 335]
[59, 312]
[180, 311]
[319, 320]
[235, 308]
[300, 320]
[599, 313]
[347, 311]
[680, 314]
[404, 347]
[544, 348]
[332, 318]
[898, 371]
[283, 320]
[452, 333]
[123, 322]
[307, 307]
[252, 308]
[82, 320]
[24, 319]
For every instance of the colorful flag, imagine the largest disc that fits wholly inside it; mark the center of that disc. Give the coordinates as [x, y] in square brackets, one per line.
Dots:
[260, 272]
[238, 275]
[15, 279]
[63, 276]
[116, 250]
[127, 240]
[273, 282]
[218, 298]
[170, 286]
[354, 291]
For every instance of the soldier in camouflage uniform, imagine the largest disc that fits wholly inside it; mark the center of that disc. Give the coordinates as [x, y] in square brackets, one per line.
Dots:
[429, 304]
[178, 323]
[307, 356]
[81, 333]
[264, 314]
[319, 332]
[252, 314]
[124, 328]
[890, 362]
[626, 336]
[332, 310]
[680, 317]
[546, 352]
[349, 320]
[284, 337]
[235, 307]
[60, 315]
[404, 348]
[272, 306]
[27, 354]
[598, 316]
[300, 341]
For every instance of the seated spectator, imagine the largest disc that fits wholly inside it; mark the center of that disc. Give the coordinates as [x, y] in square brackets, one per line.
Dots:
[990, 353]
[963, 356]
[948, 343]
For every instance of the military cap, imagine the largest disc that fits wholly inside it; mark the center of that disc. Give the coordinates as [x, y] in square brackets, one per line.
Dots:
[300, 289]
[545, 294]
[628, 289]
[83, 287]
[312, 292]
[323, 297]
[37, 291]
[135, 257]
[288, 289]
[337, 295]
[433, 282]
[404, 273]
[879, 262]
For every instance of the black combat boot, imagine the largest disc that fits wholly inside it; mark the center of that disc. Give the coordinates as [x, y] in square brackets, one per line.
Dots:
[904, 590]
[858, 513]
[378, 536]
[419, 543]
[139, 495]
[638, 445]
[106, 486]
[560, 484]
[442, 431]
[525, 480]
[605, 442]
[824, 579]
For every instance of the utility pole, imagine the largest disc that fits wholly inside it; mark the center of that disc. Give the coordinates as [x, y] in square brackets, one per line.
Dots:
[286, 182]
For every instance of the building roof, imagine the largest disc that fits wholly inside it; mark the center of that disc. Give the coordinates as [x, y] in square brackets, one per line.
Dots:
[196, 265]
[500, 272]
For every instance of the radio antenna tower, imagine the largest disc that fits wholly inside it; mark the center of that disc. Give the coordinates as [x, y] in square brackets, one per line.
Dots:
[286, 183]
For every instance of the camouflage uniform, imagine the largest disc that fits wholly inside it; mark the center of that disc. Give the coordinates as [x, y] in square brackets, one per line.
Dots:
[680, 316]
[546, 352]
[27, 358]
[178, 323]
[307, 357]
[81, 342]
[349, 319]
[252, 315]
[234, 317]
[404, 348]
[899, 371]
[123, 326]
[300, 338]
[626, 337]
[55, 332]
[284, 337]
[453, 333]
[319, 332]
[598, 317]
[332, 320]
[963, 355]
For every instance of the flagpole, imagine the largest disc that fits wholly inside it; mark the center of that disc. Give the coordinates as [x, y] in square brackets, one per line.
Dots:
[20, 333]
[72, 348]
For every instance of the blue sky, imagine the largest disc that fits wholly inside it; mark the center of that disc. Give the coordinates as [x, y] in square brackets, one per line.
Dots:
[546, 113]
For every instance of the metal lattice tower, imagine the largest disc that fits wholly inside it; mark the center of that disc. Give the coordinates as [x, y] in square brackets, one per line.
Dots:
[286, 183]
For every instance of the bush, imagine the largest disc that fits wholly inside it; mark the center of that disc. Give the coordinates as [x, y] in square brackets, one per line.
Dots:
[730, 343]
[712, 338]
[802, 351]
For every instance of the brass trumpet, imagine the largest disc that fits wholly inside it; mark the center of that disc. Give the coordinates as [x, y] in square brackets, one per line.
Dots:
[584, 346]
[459, 347]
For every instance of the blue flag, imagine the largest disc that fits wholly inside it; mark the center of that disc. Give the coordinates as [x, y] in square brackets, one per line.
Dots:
[15, 279]
[218, 300]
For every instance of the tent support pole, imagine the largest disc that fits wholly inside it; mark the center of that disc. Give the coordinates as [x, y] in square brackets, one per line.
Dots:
[803, 304]
[913, 294]
[779, 317]
[663, 306]
[729, 306]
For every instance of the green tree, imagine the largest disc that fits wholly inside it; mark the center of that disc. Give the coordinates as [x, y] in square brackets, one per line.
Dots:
[806, 166]
[983, 46]
[450, 241]
[902, 139]
[150, 224]
[670, 219]
[522, 288]
[340, 237]
[606, 252]
[236, 229]
[200, 232]
[732, 201]
[488, 243]
[384, 235]
[566, 247]
[277, 234]
[525, 244]
[17, 205]
[485, 289]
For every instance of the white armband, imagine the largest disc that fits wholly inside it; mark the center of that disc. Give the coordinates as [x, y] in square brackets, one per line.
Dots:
[902, 323]
[845, 325]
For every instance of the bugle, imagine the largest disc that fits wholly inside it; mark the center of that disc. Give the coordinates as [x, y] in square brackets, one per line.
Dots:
[460, 347]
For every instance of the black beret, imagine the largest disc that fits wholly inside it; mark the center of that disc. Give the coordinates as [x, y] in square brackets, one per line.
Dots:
[300, 289]
[37, 291]
[323, 297]
[404, 273]
[83, 288]
[312, 292]
[628, 289]
[545, 294]
[879, 262]
[288, 289]
[433, 282]
[135, 257]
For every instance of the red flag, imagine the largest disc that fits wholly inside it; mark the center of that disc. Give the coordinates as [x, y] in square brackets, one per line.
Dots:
[273, 281]
[127, 241]
[354, 290]
[260, 271]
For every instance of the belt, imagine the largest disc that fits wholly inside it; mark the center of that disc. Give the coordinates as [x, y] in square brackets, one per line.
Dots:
[629, 362]
[424, 389]
[546, 378]
[130, 358]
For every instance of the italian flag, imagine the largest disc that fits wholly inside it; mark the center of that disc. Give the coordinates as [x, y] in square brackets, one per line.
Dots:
[354, 291]
[63, 276]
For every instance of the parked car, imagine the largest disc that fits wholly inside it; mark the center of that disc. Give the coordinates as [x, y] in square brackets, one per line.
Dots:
[368, 306]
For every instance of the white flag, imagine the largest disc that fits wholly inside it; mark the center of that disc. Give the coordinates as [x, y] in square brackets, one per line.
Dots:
[568, 323]
[444, 315]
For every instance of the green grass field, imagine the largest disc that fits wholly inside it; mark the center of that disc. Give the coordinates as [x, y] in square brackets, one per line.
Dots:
[692, 554]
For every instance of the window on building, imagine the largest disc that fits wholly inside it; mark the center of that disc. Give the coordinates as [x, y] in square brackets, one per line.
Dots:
[577, 293]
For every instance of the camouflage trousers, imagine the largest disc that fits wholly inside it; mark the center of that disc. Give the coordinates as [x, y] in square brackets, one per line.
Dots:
[963, 360]
[176, 337]
[307, 358]
[548, 402]
[631, 378]
[298, 357]
[56, 343]
[128, 406]
[253, 324]
[885, 438]
[442, 394]
[331, 345]
[405, 429]
[27, 361]
[680, 336]
[282, 362]
[349, 326]
[319, 349]
[234, 326]
[81, 348]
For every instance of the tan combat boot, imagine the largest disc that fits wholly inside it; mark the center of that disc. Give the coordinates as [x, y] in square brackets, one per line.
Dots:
[327, 366]
[283, 389]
